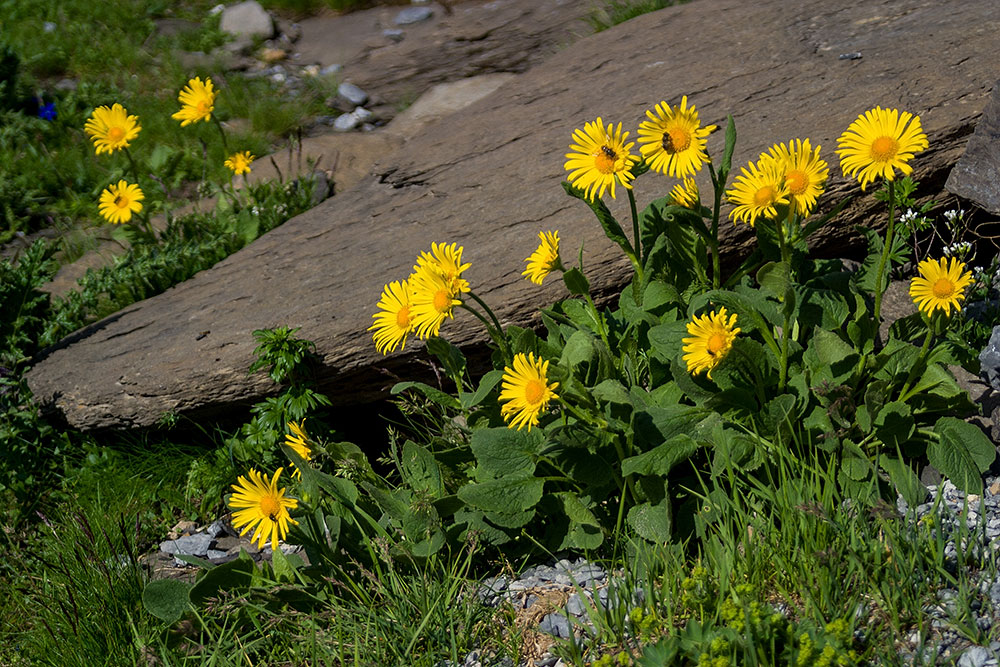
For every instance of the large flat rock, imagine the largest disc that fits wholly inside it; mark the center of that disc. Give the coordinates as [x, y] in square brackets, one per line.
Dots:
[488, 177]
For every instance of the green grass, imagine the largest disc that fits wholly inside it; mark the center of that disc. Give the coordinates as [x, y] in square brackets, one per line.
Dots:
[614, 12]
[49, 174]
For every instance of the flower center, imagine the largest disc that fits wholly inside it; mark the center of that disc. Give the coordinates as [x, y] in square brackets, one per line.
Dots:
[534, 390]
[204, 108]
[442, 300]
[403, 318]
[715, 343]
[605, 160]
[270, 508]
[116, 134]
[797, 181]
[676, 140]
[884, 149]
[121, 201]
[943, 288]
[764, 196]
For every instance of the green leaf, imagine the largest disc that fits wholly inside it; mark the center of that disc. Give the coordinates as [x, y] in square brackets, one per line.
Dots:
[962, 453]
[513, 493]
[775, 279]
[450, 357]
[651, 522]
[502, 452]
[584, 531]
[612, 229]
[420, 470]
[236, 574]
[576, 282]
[443, 399]
[666, 339]
[827, 351]
[856, 468]
[904, 479]
[660, 460]
[283, 570]
[486, 386]
[894, 424]
[727, 152]
[167, 599]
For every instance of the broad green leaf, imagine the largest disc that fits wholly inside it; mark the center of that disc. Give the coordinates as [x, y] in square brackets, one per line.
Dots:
[283, 570]
[775, 279]
[660, 460]
[962, 454]
[828, 351]
[511, 519]
[666, 339]
[167, 599]
[503, 452]
[236, 574]
[856, 469]
[658, 295]
[513, 493]
[420, 470]
[486, 385]
[894, 424]
[904, 479]
[576, 282]
[651, 522]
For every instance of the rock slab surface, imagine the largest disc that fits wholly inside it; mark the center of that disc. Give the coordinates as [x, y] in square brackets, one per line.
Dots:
[977, 175]
[488, 178]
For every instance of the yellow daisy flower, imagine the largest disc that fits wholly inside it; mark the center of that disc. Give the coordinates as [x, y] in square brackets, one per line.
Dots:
[686, 194]
[879, 141]
[526, 391]
[601, 157]
[298, 440]
[545, 259]
[673, 141]
[711, 339]
[941, 284]
[258, 504]
[239, 162]
[119, 201]
[805, 173]
[756, 192]
[432, 299]
[446, 260]
[111, 128]
[197, 100]
[394, 321]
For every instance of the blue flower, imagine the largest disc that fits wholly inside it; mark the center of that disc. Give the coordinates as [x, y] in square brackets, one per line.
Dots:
[47, 111]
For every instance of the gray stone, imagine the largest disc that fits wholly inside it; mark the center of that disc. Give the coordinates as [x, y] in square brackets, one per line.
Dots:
[974, 656]
[556, 625]
[215, 555]
[126, 370]
[393, 34]
[413, 15]
[352, 93]
[575, 605]
[66, 85]
[989, 360]
[331, 69]
[247, 19]
[189, 545]
[976, 177]
[346, 122]
[362, 114]
[216, 528]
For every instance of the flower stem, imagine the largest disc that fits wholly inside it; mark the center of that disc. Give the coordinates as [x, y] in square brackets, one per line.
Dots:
[131, 161]
[886, 249]
[635, 224]
[786, 329]
[225, 144]
[495, 333]
[719, 186]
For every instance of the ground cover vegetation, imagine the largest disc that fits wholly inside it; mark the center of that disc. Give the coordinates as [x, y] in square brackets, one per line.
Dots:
[730, 445]
[61, 60]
